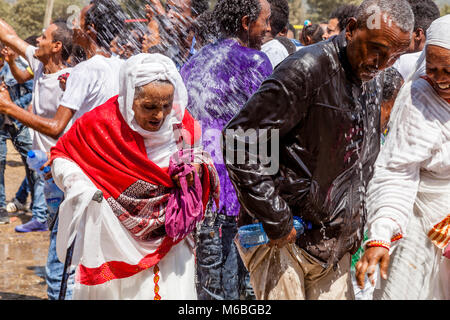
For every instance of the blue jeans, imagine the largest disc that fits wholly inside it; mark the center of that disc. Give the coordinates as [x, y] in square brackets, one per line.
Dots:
[21, 140]
[221, 274]
[24, 190]
[54, 270]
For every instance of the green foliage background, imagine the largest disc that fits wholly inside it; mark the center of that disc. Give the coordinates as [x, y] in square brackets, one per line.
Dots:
[27, 16]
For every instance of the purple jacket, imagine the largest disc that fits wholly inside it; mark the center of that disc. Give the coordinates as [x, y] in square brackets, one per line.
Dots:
[220, 79]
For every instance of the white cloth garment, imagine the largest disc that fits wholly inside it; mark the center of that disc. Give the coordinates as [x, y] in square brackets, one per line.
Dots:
[406, 64]
[139, 71]
[275, 51]
[46, 97]
[410, 190]
[91, 84]
[100, 236]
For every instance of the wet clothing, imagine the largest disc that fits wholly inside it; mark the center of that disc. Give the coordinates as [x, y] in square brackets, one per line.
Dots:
[301, 278]
[329, 130]
[220, 78]
[46, 97]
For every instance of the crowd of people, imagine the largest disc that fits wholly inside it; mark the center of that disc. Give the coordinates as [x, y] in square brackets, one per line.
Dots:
[152, 132]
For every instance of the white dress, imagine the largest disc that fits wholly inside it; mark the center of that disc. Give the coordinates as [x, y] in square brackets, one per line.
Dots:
[409, 197]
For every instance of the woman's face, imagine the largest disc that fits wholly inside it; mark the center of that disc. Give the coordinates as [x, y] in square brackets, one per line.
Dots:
[438, 69]
[152, 104]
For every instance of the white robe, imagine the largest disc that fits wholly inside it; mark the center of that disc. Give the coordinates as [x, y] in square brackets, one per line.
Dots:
[100, 238]
[410, 193]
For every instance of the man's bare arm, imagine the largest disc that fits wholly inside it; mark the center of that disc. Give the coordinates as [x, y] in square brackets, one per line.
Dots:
[50, 127]
[20, 75]
[10, 38]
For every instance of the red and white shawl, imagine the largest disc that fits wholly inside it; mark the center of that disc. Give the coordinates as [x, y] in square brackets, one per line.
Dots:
[114, 158]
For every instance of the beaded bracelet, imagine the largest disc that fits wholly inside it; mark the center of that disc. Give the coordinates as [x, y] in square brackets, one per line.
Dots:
[378, 243]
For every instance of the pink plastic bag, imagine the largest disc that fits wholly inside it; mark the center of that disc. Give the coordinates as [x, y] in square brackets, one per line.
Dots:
[185, 207]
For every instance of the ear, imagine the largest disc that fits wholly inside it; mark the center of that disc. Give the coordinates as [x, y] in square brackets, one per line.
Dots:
[57, 46]
[350, 29]
[308, 40]
[245, 23]
[419, 34]
[283, 32]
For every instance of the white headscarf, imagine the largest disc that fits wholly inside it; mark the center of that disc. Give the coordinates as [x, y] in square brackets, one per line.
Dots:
[437, 34]
[138, 71]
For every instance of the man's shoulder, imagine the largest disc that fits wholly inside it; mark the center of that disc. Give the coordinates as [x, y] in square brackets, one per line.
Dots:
[320, 59]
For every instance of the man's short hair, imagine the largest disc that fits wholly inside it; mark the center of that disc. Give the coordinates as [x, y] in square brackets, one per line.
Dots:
[198, 7]
[399, 11]
[64, 35]
[343, 13]
[229, 14]
[425, 12]
[108, 19]
[205, 28]
[279, 17]
[393, 81]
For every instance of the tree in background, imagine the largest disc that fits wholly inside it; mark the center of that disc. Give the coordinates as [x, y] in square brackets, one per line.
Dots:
[320, 10]
[445, 9]
[27, 16]
[297, 12]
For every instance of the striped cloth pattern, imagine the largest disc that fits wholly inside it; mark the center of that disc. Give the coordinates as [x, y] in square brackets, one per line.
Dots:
[440, 233]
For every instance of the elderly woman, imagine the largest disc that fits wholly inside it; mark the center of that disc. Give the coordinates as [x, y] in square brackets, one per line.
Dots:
[409, 195]
[124, 149]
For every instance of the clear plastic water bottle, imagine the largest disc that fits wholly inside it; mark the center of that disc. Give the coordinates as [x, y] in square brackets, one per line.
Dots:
[36, 159]
[254, 235]
[53, 195]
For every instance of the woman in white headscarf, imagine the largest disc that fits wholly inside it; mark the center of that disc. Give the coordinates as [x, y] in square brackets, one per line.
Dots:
[409, 195]
[121, 151]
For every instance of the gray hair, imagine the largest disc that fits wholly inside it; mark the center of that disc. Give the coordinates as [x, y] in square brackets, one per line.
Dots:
[138, 90]
[399, 11]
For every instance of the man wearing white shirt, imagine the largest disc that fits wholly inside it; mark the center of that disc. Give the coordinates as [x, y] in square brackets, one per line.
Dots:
[90, 84]
[47, 63]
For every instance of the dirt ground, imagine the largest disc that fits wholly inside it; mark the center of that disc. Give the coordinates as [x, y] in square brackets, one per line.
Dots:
[22, 255]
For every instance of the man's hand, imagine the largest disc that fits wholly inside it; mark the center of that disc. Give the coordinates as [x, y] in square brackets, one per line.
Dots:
[48, 175]
[368, 263]
[10, 55]
[5, 99]
[279, 243]
[155, 7]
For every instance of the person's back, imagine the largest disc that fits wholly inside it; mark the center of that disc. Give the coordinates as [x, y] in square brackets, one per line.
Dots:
[220, 79]
[91, 83]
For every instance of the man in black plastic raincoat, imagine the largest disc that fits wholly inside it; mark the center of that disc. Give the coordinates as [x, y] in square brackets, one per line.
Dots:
[323, 103]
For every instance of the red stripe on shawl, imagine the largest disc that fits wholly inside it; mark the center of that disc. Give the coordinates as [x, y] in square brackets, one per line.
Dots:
[118, 270]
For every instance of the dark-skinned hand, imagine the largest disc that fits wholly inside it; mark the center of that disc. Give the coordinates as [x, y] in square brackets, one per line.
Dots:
[189, 177]
[280, 243]
[372, 256]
